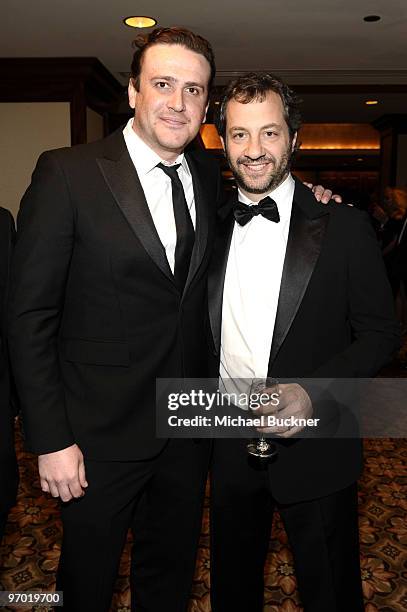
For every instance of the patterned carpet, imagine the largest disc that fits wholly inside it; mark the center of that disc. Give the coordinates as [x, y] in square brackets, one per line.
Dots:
[31, 548]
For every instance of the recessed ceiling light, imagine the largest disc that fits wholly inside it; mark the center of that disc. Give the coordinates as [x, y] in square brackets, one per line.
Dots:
[371, 102]
[371, 18]
[140, 22]
[217, 102]
[359, 159]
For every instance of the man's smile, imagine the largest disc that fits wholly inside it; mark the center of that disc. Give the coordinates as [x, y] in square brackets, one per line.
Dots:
[256, 168]
[173, 122]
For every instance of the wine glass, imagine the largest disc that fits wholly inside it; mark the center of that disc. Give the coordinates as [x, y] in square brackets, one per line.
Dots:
[261, 447]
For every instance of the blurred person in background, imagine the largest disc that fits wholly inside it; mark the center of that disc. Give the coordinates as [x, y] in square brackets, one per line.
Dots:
[394, 246]
[8, 463]
[397, 198]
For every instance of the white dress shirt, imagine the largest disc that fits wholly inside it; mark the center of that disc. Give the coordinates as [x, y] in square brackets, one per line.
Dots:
[158, 190]
[251, 290]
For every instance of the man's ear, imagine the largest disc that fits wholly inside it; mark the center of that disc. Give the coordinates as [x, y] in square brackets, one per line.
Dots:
[206, 110]
[294, 142]
[132, 93]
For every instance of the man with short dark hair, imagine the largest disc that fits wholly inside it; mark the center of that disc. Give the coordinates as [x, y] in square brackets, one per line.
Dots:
[109, 286]
[296, 290]
[8, 464]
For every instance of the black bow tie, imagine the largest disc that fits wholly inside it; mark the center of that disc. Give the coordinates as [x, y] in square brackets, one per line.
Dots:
[266, 207]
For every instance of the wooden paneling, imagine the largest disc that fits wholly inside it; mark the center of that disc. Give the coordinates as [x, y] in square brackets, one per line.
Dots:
[81, 81]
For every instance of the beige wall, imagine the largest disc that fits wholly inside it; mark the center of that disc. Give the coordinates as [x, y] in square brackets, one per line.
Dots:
[26, 130]
[94, 125]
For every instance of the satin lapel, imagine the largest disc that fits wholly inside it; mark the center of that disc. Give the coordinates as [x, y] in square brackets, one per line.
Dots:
[202, 202]
[122, 180]
[216, 277]
[303, 248]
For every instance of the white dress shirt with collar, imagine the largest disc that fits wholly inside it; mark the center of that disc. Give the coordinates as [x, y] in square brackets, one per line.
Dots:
[158, 190]
[251, 290]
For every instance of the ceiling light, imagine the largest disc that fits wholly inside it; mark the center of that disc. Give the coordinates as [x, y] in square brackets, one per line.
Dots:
[140, 22]
[371, 18]
[371, 102]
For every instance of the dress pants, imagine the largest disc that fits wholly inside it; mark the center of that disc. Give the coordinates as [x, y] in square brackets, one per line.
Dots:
[323, 534]
[161, 500]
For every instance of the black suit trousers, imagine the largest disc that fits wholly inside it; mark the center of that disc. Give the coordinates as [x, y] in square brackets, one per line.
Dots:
[323, 534]
[161, 500]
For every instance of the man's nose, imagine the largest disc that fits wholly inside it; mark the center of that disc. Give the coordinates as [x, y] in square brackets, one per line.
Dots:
[254, 148]
[176, 101]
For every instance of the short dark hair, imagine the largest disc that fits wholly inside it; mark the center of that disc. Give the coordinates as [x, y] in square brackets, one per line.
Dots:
[255, 86]
[171, 36]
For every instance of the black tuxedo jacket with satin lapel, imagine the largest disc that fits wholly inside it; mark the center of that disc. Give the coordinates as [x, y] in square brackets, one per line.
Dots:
[95, 315]
[334, 320]
[8, 464]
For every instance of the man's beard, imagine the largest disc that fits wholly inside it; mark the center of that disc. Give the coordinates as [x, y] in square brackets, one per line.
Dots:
[263, 184]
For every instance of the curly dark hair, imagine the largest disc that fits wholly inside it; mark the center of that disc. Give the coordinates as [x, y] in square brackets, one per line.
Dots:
[255, 86]
[171, 36]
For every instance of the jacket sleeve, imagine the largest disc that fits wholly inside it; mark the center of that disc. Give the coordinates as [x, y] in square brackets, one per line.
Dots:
[39, 273]
[375, 331]
[375, 336]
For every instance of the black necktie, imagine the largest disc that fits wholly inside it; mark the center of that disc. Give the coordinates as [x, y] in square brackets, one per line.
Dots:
[266, 207]
[183, 224]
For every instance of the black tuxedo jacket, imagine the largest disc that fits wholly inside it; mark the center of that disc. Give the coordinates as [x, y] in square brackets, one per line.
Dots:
[96, 315]
[8, 464]
[334, 319]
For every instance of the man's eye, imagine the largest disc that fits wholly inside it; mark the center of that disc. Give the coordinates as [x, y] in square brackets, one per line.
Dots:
[161, 85]
[193, 90]
[270, 133]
